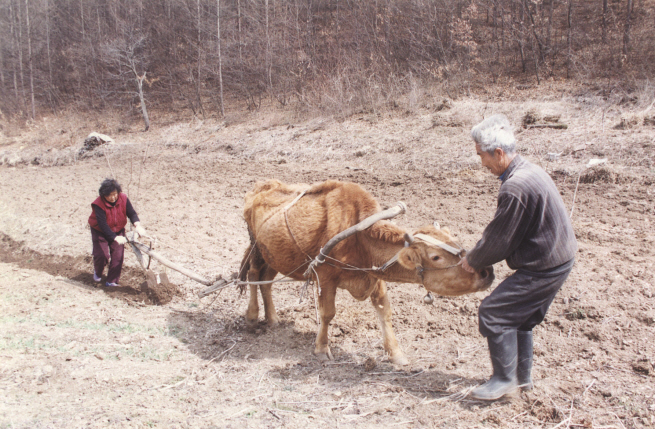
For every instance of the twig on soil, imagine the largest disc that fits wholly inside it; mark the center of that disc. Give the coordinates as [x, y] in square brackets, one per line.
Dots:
[567, 420]
[456, 397]
[519, 415]
[588, 387]
[273, 413]
[170, 386]
[575, 193]
[261, 378]
[619, 419]
[220, 355]
[237, 413]
[332, 407]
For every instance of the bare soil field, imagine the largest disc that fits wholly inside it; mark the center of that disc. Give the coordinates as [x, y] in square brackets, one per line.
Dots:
[73, 355]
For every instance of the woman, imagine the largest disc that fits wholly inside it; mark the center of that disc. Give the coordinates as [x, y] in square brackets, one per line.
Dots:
[109, 215]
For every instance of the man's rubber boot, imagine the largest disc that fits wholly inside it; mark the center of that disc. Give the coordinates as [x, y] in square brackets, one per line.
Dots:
[524, 365]
[503, 351]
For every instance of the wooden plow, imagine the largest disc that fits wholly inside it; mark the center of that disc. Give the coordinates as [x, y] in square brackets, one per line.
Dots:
[153, 279]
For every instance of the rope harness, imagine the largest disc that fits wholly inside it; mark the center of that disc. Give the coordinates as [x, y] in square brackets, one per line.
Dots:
[322, 257]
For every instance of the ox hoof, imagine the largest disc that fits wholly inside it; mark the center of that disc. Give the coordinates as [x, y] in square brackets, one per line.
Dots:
[399, 358]
[272, 323]
[323, 354]
[252, 325]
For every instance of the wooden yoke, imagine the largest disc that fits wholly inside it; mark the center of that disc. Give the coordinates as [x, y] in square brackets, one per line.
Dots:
[389, 213]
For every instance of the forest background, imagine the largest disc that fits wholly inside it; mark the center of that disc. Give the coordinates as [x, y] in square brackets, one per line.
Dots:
[332, 56]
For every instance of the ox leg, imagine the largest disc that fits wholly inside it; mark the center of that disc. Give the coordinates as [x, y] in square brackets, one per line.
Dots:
[326, 310]
[252, 314]
[382, 307]
[270, 314]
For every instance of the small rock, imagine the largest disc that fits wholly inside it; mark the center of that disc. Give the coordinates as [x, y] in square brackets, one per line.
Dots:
[370, 364]
[642, 367]
[363, 151]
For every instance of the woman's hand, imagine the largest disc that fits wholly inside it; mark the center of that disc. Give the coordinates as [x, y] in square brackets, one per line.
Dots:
[140, 230]
[120, 240]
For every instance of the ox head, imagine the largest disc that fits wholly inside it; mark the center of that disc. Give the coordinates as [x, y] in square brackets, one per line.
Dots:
[435, 256]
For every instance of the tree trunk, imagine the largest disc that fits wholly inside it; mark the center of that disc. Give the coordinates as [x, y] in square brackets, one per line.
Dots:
[20, 59]
[626, 32]
[550, 26]
[47, 36]
[2, 68]
[29, 57]
[522, 36]
[239, 35]
[82, 19]
[13, 50]
[536, 63]
[220, 62]
[144, 111]
[199, 80]
[268, 52]
[534, 32]
[604, 22]
[569, 39]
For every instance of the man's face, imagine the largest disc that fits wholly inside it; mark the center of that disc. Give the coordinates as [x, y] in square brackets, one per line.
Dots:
[493, 162]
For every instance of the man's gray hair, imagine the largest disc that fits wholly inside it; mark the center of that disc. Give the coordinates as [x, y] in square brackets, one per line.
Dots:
[494, 132]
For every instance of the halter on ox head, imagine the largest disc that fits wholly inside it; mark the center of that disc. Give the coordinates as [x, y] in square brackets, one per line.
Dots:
[435, 256]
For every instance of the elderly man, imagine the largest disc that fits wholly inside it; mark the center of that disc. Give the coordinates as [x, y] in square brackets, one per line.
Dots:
[532, 231]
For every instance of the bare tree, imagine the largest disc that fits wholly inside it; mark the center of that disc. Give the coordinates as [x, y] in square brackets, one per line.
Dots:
[47, 32]
[29, 57]
[604, 22]
[199, 63]
[626, 30]
[569, 38]
[220, 59]
[20, 55]
[129, 62]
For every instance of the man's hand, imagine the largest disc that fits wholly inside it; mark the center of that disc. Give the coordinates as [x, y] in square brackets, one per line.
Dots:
[464, 263]
[140, 230]
[120, 240]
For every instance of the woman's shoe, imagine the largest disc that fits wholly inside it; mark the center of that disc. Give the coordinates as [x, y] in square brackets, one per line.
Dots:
[111, 284]
[96, 278]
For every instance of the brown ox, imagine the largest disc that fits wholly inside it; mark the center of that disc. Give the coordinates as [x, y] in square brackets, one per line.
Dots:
[286, 243]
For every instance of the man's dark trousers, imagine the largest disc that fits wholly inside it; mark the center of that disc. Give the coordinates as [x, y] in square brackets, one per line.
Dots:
[521, 301]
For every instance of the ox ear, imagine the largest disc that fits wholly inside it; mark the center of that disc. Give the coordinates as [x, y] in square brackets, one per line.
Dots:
[436, 225]
[409, 258]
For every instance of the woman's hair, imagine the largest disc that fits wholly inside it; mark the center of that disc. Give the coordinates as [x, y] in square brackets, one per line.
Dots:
[494, 132]
[108, 186]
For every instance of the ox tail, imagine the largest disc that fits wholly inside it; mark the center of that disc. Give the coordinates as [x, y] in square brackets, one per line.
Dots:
[252, 259]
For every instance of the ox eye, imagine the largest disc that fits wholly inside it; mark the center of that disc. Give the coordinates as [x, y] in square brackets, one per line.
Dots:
[435, 258]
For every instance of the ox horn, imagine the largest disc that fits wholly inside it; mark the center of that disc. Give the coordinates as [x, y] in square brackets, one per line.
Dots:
[436, 224]
[409, 238]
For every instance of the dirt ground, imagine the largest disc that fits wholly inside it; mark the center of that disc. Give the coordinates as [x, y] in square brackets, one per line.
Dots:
[76, 356]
